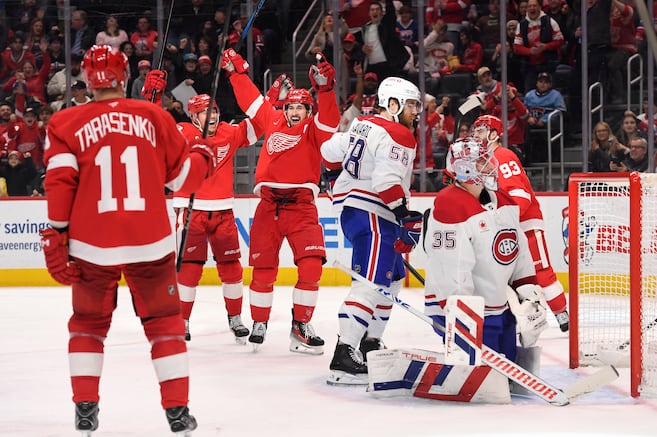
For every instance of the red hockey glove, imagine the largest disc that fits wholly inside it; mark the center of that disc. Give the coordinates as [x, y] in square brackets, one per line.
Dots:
[411, 229]
[208, 153]
[322, 75]
[154, 84]
[278, 90]
[55, 248]
[232, 62]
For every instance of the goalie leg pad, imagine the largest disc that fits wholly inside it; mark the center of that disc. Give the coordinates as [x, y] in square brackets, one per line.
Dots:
[422, 373]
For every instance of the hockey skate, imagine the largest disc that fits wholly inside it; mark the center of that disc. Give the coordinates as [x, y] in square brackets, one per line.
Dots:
[347, 367]
[563, 320]
[304, 340]
[187, 334]
[258, 333]
[368, 344]
[86, 417]
[235, 324]
[181, 422]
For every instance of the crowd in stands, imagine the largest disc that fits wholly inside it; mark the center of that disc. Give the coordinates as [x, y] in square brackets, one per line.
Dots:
[377, 38]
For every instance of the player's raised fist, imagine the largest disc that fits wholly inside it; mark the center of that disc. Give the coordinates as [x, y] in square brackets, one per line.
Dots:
[232, 62]
[154, 85]
[322, 75]
[279, 89]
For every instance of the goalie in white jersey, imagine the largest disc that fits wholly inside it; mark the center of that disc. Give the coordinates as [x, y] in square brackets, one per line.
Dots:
[475, 247]
[372, 191]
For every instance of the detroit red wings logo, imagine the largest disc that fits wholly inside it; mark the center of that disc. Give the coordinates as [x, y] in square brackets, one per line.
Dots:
[222, 151]
[280, 142]
[505, 246]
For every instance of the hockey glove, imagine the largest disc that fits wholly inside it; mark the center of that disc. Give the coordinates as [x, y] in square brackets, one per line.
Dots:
[233, 63]
[55, 248]
[331, 176]
[530, 312]
[208, 153]
[411, 230]
[154, 85]
[322, 75]
[278, 90]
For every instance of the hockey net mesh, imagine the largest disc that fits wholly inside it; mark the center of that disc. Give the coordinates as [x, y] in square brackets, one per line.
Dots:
[604, 275]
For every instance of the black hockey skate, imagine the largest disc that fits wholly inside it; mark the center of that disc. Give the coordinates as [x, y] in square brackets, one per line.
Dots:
[304, 340]
[563, 319]
[86, 417]
[368, 344]
[258, 333]
[347, 367]
[187, 334]
[180, 421]
[239, 330]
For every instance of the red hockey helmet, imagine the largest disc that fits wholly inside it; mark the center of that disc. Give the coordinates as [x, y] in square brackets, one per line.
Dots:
[299, 95]
[200, 103]
[487, 124]
[105, 67]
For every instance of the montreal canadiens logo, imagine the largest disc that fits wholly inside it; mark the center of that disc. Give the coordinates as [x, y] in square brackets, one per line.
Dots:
[505, 246]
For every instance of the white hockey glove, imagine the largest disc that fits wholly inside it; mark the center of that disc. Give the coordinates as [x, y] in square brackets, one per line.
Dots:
[531, 314]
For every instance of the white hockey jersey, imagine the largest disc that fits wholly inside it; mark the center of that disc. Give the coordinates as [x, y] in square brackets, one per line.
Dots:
[474, 250]
[377, 161]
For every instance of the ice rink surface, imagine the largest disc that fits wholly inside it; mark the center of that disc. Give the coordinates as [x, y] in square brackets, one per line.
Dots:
[274, 392]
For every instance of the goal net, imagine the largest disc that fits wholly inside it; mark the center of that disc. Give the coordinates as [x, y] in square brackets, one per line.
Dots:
[612, 257]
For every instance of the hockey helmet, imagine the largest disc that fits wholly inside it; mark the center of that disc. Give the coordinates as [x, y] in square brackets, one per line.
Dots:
[299, 95]
[105, 67]
[200, 103]
[470, 161]
[400, 90]
[484, 126]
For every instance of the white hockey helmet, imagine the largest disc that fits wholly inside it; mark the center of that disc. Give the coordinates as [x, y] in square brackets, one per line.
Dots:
[470, 161]
[400, 90]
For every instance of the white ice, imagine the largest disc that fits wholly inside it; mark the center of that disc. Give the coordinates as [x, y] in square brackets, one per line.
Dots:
[274, 392]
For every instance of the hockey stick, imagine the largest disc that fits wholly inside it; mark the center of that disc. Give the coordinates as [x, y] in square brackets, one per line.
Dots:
[249, 23]
[414, 272]
[160, 60]
[625, 344]
[501, 364]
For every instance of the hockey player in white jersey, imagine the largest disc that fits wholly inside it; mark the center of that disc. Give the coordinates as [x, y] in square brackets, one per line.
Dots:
[475, 247]
[371, 194]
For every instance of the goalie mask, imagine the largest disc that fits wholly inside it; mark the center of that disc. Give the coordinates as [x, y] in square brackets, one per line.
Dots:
[488, 129]
[400, 90]
[470, 161]
[105, 67]
[198, 104]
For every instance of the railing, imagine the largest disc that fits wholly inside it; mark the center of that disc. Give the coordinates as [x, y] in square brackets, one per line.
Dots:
[297, 52]
[266, 81]
[599, 108]
[630, 82]
[552, 138]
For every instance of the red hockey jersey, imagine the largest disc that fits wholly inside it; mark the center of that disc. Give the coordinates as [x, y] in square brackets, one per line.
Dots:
[216, 193]
[107, 165]
[290, 156]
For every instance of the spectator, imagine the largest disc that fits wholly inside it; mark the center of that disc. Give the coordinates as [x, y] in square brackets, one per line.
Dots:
[407, 29]
[488, 87]
[643, 117]
[623, 45]
[353, 55]
[629, 128]
[353, 110]
[513, 63]
[18, 175]
[438, 51]
[5, 118]
[453, 13]
[370, 86]
[143, 67]
[188, 16]
[33, 81]
[144, 39]
[324, 40]
[384, 51]
[542, 100]
[57, 56]
[205, 47]
[258, 46]
[25, 135]
[82, 36]
[516, 123]
[57, 84]
[636, 159]
[522, 10]
[14, 56]
[128, 48]
[112, 35]
[598, 15]
[79, 97]
[24, 14]
[561, 12]
[489, 30]
[470, 54]
[178, 112]
[188, 73]
[203, 81]
[602, 144]
[538, 43]
[35, 40]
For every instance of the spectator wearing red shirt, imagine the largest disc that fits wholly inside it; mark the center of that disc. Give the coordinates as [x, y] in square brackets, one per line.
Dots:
[14, 56]
[144, 39]
[25, 136]
[34, 81]
[471, 54]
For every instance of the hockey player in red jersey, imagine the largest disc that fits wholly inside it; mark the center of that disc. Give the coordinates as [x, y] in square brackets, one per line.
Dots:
[107, 163]
[514, 181]
[212, 218]
[372, 192]
[286, 180]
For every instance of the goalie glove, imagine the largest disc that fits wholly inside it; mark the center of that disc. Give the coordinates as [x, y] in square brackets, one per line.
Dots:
[322, 75]
[154, 85]
[278, 90]
[233, 63]
[55, 248]
[411, 230]
[531, 314]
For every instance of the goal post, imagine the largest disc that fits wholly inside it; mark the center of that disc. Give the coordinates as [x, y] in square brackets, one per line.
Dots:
[612, 266]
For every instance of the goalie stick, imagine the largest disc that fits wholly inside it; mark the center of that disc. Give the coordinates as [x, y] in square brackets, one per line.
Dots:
[626, 343]
[501, 364]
